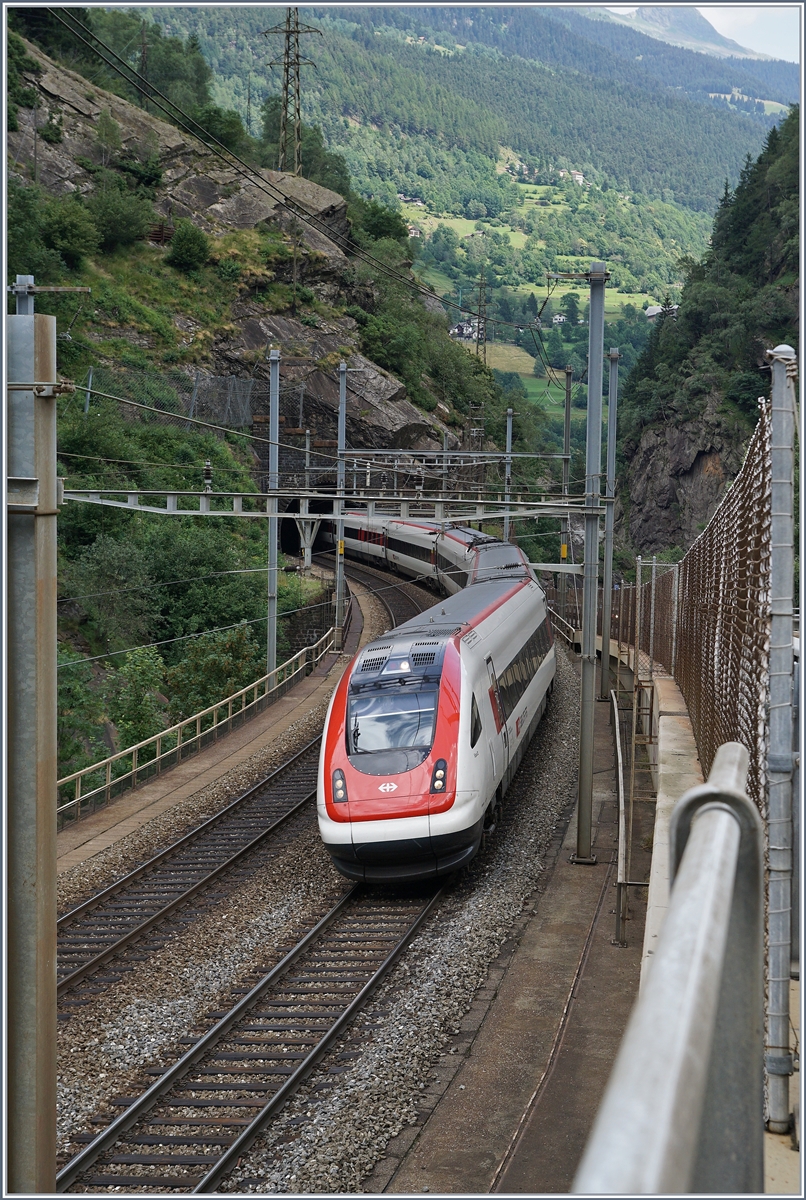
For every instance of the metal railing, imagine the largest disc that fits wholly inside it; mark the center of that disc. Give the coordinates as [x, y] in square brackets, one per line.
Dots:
[136, 764]
[684, 1108]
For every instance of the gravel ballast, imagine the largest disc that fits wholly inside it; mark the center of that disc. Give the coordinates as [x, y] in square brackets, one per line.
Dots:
[424, 1001]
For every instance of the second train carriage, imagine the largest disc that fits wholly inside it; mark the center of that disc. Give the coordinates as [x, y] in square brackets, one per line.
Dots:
[448, 557]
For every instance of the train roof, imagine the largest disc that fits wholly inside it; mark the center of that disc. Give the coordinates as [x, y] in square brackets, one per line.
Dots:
[449, 616]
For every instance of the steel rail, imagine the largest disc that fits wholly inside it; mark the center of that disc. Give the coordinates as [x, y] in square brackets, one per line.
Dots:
[368, 575]
[86, 1157]
[114, 889]
[230, 1157]
[82, 1161]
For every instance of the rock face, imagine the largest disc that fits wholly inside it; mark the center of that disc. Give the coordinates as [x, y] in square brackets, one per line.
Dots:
[196, 183]
[378, 413]
[677, 477]
[219, 197]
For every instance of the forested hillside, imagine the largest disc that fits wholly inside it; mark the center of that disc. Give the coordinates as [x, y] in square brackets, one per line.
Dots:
[691, 400]
[534, 85]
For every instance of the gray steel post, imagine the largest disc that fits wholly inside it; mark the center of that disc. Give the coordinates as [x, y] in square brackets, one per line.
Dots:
[565, 536]
[274, 483]
[31, 748]
[610, 492]
[778, 1059]
[307, 460]
[593, 468]
[444, 466]
[508, 475]
[339, 507]
[88, 393]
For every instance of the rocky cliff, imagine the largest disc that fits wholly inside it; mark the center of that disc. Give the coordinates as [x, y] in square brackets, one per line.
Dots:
[677, 477]
[195, 183]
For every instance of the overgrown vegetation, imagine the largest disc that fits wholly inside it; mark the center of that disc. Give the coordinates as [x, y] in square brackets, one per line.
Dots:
[127, 580]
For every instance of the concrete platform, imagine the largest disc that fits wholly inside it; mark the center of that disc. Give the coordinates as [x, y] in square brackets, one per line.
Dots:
[81, 841]
[516, 1113]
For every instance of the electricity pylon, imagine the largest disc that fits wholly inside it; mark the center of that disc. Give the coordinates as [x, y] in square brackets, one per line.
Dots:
[290, 114]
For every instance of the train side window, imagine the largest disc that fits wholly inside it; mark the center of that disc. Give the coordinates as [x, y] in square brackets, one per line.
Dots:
[475, 722]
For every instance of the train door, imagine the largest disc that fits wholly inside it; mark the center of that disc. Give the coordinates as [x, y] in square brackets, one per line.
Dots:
[498, 749]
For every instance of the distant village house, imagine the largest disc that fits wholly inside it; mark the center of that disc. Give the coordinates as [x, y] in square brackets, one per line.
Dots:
[654, 309]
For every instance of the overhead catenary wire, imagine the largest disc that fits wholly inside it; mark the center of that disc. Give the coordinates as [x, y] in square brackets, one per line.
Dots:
[188, 636]
[167, 641]
[154, 586]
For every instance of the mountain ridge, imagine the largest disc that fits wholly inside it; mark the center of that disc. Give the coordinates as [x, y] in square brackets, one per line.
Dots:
[681, 26]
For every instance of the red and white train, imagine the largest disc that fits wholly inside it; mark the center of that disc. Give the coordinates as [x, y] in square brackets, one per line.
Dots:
[429, 722]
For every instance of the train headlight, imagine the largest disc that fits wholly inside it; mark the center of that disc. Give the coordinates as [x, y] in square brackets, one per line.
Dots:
[339, 788]
[439, 776]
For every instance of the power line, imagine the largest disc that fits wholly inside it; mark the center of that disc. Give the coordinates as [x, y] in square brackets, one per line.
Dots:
[188, 636]
[155, 586]
[172, 109]
[139, 462]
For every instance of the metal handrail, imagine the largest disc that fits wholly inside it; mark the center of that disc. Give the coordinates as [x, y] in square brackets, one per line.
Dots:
[684, 1108]
[622, 822]
[235, 706]
[563, 627]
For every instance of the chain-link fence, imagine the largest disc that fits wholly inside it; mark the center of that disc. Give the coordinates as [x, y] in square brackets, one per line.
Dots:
[221, 400]
[724, 618]
[706, 620]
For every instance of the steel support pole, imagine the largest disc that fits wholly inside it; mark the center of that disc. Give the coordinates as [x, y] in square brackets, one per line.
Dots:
[610, 492]
[508, 475]
[88, 393]
[31, 763]
[593, 468]
[342, 437]
[778, 1059]
[274, 483]
[566, 520]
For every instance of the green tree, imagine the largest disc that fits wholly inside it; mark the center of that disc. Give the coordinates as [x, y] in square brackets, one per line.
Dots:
[225, 126]
[214, 666]
[381, 222]
[570, 306]
[18, 92]
[134, 706]
[111, 581]
[68, 228]
[107, 136]
[190, 247]
[26, 250]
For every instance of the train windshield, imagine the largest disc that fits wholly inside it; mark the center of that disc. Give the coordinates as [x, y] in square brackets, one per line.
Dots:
[392, 720]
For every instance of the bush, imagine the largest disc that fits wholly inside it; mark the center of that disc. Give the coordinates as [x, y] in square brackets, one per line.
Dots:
[120, 217]
[190, 247]
[214, 666]
[51, 131]
[228, 270]
[68, 227]
[134, 705]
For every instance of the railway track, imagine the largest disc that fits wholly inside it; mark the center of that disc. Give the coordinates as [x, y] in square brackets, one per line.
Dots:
[99, 930]
[189, 1126]
[117, 919]
[402, 600]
